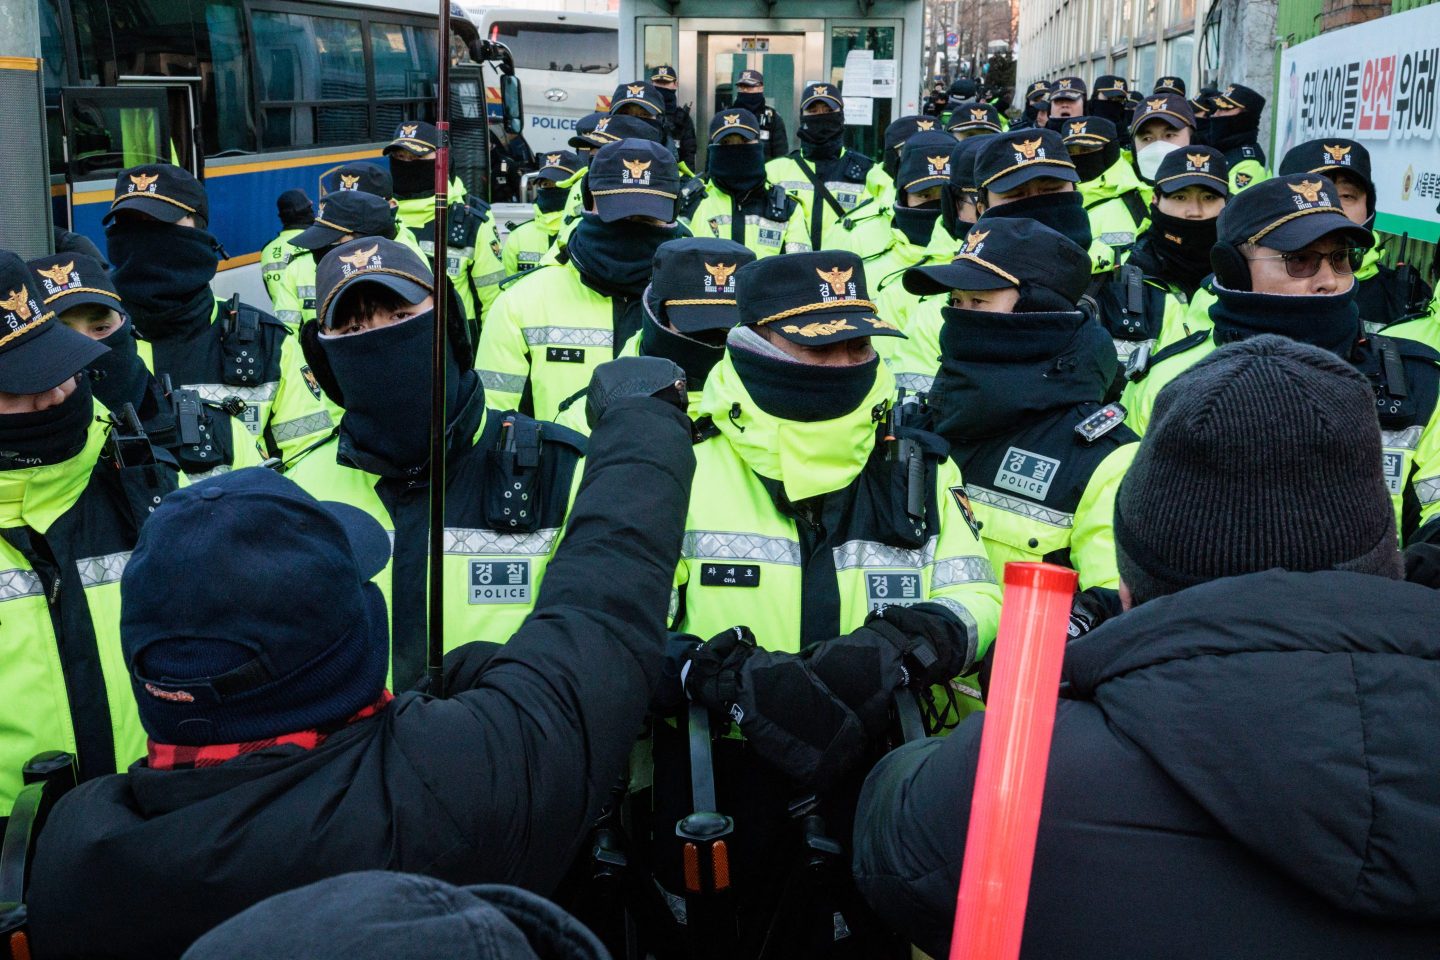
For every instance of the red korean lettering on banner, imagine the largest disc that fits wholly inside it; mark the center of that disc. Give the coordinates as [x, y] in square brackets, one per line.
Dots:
[1377, 94]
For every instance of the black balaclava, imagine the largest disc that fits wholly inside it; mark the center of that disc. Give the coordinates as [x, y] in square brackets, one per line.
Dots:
[384, 375]
[1328, 321]
[551, 199]
[668, 96]
[1181, 247]
[413, 179]
[754, 102]
[617, 258]
[1062, 212]
[1092, 165]
[1227, 133]
[822, 135]
[162, 273]
[803, 392]
[737, 167]
[917, 223]
[120, 375]
[696, 357]
[44, 437]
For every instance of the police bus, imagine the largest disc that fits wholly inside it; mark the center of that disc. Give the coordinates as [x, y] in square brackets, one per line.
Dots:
[568, 65]
[254, 96]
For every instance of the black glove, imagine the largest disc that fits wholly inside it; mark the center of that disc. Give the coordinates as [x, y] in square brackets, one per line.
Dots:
[935, 644]
[711, 674]
[1091, 608]
[634, 377]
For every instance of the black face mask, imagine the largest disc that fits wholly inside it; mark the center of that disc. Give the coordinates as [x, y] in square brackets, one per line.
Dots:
[1092, 165]
[47, 436]
[1182, 247]
[754, 102]
[413, 178]
[695, 357]
[120, 376]
[1330, 322]
[1062, 212]
[385, 376]
[1112, 110]
[803, 392]
[668, 97]
[917, 223]
[617, 258]
[551, 199]
[738, 167]
[822, 135]
[1227, 133]
[163, 274]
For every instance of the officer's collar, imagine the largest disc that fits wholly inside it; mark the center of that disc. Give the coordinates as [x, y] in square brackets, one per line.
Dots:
[36, 497]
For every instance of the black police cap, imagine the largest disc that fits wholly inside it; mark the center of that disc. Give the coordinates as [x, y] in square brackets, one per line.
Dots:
[161, 190]
[70, 280]
[294, 205]
[1175, 85]
[37, 351]
[1287, 213]
[585, 136]
[1194, 166]
[1039, 90]
[348, 211]
[906, 127]
[962, 161]
[822, 92]
[640, 93]
[974, 115]
[925, 162]
[1068, 88]
[1239, 95]
[1087, 132]
[664, 73]
[1006, 253]
[370, 260]
[1330, 155]
[812, 299]
[617, 127]
[634, 178]
[558, 165]
[1018, 156]
[1172, 109]
[365, 177]
[415, 137]
[735, 120]
[694, 282]
[1111, 87]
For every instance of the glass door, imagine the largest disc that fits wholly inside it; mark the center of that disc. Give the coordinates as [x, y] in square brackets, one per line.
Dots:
[780, 57]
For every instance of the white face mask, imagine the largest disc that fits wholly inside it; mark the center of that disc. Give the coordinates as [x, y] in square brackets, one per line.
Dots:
[1150, 155]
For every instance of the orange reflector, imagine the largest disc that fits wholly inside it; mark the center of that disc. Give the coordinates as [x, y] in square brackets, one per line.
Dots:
[19, 946]
[692, 868]
[720, 855]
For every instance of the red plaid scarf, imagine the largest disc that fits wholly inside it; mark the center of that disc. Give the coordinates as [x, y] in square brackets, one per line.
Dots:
[172, 756]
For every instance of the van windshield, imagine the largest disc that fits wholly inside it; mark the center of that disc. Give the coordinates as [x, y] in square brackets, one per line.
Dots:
[568, 48]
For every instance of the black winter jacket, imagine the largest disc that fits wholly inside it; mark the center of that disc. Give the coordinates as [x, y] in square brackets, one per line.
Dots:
[1243, 769]
[497, 784]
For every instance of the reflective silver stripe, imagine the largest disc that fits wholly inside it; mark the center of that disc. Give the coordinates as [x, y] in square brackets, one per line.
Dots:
[724, 545]
[1024, 508]
[1124, 348]
[98, 571]
[569, 336]
[503, 382]
[846, 189]
[427, 247]
[490, 278]
[914, 382]
[1427, 491]
[1407, 439]
[270, 265]
[291, 317]
[15, 584]
[468, 540]
[218, 392]
[868, 553]
[1117, 239]
[208, 474]
[794, 184]
[305, 292]
[961, 570]
[1372, 327]
[796, 246]
[301, 426]
[972, 629]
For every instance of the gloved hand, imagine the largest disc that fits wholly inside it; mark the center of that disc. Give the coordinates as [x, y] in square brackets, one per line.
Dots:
[634, 377]
[710, 676]
[935, 644]
[1091, 608]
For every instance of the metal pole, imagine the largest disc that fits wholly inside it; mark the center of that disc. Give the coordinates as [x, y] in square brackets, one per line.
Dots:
[435, 652]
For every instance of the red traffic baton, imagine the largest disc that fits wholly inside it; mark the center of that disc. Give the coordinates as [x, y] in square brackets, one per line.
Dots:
[1014, 752]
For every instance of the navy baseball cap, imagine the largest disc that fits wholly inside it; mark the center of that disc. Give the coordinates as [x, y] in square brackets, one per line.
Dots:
[1111, 87]
[1239, 95]
[735, 120]
[1068, 88]
[1018, 156]
[348, 211]
[365, 177]
[664, 73]
[973, 115]
[694, 283]
[1006, 253]
[812, 299]
[558, 166]
[1329, 156]
[37, 351]
[308, 644]
[962, 161]
[906, 127]
[1194, 166]
[824, 92]
[1175, 85]
[617, 127]
[585, 135]
[1174, 110]
[1087, 132]
[295, 208]
[1039, 90]
[70, 280]
[415, 136]
[750, 78]
[161, 190]
[633, 178]
[1287, 213]
[640, 92]
[925, 162]
[370, 260]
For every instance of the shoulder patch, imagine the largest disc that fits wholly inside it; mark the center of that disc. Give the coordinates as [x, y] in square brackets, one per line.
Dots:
[962, 500]
[1026, 472]
[1100, 422]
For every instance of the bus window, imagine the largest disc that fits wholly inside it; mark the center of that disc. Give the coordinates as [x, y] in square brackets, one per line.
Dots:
[403, 63]
[569, 48]
[313, 89]
[229, 123]
[111, 128]
[154, 38]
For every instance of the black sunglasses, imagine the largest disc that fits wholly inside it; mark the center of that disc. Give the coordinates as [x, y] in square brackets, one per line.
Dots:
[1303, 264]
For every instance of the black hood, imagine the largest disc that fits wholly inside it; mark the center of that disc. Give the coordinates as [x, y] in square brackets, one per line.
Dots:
[1299, 710]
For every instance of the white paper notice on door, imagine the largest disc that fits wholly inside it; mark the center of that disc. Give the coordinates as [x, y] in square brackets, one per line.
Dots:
[859, 72]
[859, 110]
[883, 79]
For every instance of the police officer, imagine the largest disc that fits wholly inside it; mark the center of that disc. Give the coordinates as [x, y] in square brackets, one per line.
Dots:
[472, 254]
[552, 326]
[1067, 99]
[528, 243]
[369, 178]
[74, 492]
[1159, 294]
[1285, 264]
[1020, 396]
[236, 379]
[296, 213]
[750, 95]
[1234, 129]
[739, 203]
[1175, 85]
[895, 136]
[612, 128]
[1111, 101]
[586, 140]
[973, 118]
[830, 181]
[508, 480]
[678, 121]
[1384, 296]
[641, 100]
[1115, 200]
[794, 530]
[689, 308]
[1161, 124]
[1037, 107]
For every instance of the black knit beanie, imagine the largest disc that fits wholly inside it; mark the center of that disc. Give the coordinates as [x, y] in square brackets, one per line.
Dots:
[1264, 454]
